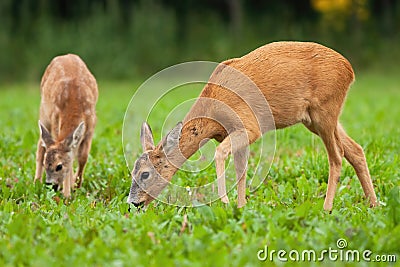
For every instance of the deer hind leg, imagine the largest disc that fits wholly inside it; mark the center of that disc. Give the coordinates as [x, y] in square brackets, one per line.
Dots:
[354, 154]
[83, 154]
[39, 161]
[334, 148]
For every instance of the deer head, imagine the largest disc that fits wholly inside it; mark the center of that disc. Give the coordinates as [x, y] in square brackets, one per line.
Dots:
[59, 154]
[153, 169]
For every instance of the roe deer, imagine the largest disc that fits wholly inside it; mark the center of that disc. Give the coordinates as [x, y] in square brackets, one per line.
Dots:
[67, 120]
[302, 82]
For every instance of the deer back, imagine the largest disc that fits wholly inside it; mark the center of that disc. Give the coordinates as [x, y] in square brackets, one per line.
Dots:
[68, 96]
[293, 77]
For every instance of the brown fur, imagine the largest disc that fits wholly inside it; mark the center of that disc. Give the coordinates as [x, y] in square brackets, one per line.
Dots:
[302, 82]
[67, 120]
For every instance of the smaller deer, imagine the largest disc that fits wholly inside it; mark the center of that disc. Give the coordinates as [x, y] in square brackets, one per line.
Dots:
[67, 120]
[275, 86]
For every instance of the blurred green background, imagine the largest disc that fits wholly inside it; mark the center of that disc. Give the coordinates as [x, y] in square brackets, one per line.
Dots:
[131, 39]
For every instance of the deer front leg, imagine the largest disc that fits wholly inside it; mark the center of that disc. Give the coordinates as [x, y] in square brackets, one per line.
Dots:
[39, 161]
[221, 153]
[83, 154]
[67, 183]
[238, 143]
[240, 160]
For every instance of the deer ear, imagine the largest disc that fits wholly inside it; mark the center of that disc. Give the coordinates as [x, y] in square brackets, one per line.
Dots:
[172, 139]
[47, 140]
[146, 137]
[74, 139]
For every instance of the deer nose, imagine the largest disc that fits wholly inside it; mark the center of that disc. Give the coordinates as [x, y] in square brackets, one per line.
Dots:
[139, 204]
[54, 186]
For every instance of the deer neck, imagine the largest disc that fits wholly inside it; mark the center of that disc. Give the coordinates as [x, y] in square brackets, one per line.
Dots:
[195, 133]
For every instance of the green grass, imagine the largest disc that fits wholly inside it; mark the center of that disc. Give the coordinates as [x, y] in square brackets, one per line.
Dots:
[96, 229]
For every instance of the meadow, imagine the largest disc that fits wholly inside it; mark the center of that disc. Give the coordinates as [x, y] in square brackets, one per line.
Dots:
[95, 228]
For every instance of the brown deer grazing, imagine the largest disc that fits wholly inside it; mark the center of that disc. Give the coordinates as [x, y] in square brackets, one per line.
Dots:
[67, 120]
[302, 82]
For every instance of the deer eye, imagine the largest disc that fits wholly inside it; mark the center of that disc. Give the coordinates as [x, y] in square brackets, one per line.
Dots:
[58, 167]
[144, 175]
